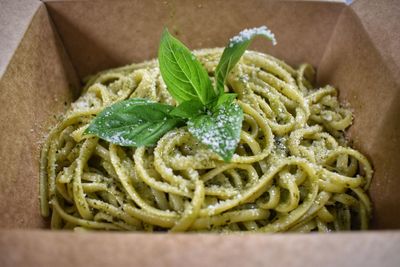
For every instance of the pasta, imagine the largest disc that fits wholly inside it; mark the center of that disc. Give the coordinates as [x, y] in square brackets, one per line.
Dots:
[293, 169]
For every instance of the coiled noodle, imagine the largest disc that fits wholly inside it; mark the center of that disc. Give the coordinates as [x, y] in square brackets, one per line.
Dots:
[293, 169]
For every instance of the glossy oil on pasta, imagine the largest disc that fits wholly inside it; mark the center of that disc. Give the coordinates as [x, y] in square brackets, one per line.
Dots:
[293, 169]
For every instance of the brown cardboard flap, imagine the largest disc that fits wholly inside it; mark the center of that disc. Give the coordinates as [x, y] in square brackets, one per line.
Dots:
[37, 85]
[15, 17]
[381, 21]
[103, 34]
[353, 63]
[39, 248]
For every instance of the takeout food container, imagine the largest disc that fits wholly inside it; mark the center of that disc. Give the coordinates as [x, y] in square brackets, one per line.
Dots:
[47, 47]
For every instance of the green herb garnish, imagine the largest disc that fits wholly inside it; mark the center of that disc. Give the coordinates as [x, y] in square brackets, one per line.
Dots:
[219, 129]
[134, 122]
[212, 116]
[183, 74]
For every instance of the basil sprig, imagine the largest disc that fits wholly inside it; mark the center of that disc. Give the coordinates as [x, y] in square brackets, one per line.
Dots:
[134, 122]
[183, 74]
[234, 51]
[219, 128]
[212, 116]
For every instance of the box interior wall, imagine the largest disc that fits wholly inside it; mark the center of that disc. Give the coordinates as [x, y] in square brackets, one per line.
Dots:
[68, 40]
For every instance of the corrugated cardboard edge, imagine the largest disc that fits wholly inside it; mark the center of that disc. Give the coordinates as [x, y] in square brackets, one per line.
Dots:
[15, 18]
[38, 248]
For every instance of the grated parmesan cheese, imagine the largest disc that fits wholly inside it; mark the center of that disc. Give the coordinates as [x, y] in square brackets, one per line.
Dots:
[248, 34]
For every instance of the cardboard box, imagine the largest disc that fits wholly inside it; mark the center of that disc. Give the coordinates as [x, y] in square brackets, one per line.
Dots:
[47, 47]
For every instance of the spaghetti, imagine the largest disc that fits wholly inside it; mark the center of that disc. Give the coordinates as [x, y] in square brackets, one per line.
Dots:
[293, 169]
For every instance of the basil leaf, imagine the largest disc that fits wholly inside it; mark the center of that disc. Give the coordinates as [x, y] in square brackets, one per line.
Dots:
[234, 51]
[222, 99]
[225, 98]
[219, 130]
[185, 77]
[133, 122]
[188, 109]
